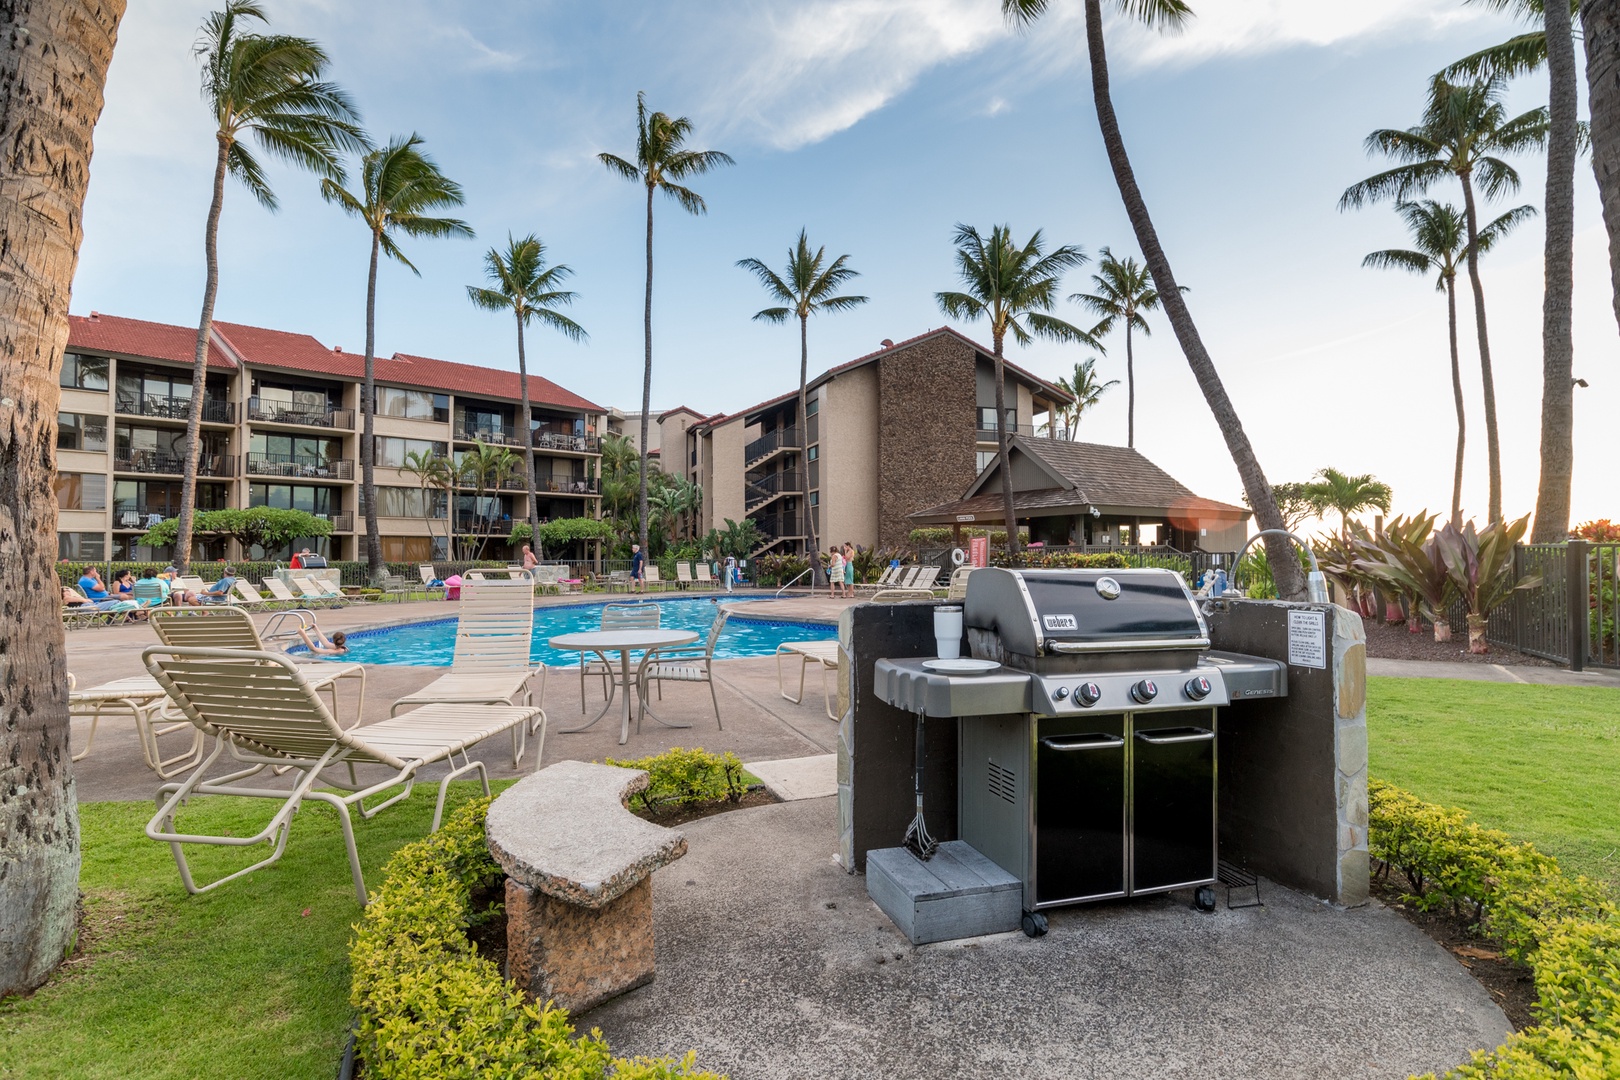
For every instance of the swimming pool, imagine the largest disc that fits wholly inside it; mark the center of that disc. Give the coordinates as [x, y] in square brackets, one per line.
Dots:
[431, 644]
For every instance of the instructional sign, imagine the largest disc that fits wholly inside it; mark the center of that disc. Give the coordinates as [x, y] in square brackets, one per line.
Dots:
[1307, 638]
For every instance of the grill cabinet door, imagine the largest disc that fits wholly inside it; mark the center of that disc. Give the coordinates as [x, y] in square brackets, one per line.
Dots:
[1173, 799]
[1080, 809]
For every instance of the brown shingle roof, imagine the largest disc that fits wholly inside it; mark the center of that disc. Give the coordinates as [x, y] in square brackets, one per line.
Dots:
[1117, 476]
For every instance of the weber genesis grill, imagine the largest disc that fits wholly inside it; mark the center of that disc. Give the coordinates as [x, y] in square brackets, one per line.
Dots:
[1087, 761]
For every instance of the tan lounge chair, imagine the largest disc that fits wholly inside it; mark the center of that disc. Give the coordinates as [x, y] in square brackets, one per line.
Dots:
[925, 579]
[899, 596]
[492, 665]
[141, 699]
[653, 579]
[683, 575]
[885, 580]
[246, 594]
[957, 591]
[705, 578]
[425, 572]
[233, 628]
[262, 707]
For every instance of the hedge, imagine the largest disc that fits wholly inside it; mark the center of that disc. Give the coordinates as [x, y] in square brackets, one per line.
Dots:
[680, 777]
[431, 1008]
[1565, 928]
[354, 573]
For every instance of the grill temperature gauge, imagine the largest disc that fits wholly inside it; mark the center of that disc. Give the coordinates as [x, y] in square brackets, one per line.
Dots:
[1145, 691]
[1198, 688]
[1088, 694]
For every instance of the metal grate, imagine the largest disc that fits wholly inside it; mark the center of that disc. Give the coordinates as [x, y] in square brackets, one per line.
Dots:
[1003, 783]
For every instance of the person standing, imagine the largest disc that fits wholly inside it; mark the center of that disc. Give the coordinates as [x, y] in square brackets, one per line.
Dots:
[849, 569]
[731, 571]
[835, 572]
[638, 569]
[529, 561]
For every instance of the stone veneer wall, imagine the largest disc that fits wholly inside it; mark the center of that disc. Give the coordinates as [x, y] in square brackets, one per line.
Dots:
[925, 431]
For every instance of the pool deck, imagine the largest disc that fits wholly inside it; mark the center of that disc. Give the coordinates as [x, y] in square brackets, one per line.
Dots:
[760, 724]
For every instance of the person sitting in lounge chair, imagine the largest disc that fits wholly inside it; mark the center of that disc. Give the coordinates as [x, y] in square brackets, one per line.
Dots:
[73, 599]
[321, 645]
[177, 596]
[220, 591]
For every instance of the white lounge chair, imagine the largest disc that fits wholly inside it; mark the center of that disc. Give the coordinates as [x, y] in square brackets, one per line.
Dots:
[262, 707]
[900, 596]
[959, 581]
[425, 571]
[141, 699]
[683, 663]
[653, 579]
[233, 628]
[705, 578]
[926, 579]
[885, 580]
[683, 576]
[491, 664]
[246, 594]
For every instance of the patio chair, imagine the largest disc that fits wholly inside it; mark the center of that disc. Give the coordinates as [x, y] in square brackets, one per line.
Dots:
[959, 581]
[685, 663]
[683, 575]
[148, 592]
[900, 596]
[284, 595]
[705, 578]
[653, 578]
[262, 707]
[144, 701]
[617, 617]
[491, 664]
[247, 594]
[233, 628]
[885, 579]
[925, 579]
[425, 571]
[311, 591]
[618, 581]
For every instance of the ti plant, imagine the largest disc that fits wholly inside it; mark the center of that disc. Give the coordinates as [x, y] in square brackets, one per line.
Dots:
[1409, 559]
[1479, 567]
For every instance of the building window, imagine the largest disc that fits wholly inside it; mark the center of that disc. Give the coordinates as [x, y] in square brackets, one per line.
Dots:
[411, 549]
[812, 406]
[984, 459]
[136, 501]
[815, 498]
[80, 491]
[320, 501]
[409, 502]
[80, 372]
[412, 404]
[81, 546]
[76, 431]
[391, 452]
[814, 453]
[987, 418]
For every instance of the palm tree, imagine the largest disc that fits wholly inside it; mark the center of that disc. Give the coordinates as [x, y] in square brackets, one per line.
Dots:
[1004, 284]
[1172, 15]
[1439, 235]
[268, 86]
[1124, 293]
[400, 187]
[661, 162]
[52, 76]
[1346, 494]
[806, 286]
[523, 284]
[1464, 126]
[1087, 388]
[435, 474]
[1552, 44]
[483, 468]
[1600, 29]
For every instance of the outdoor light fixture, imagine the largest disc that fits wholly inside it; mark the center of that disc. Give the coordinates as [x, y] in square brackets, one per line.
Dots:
[1582, 383]
[1096, 513]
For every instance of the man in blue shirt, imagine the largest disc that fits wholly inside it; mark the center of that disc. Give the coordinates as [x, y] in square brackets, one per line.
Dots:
[638, 569]
[220, 591]
[90, 584]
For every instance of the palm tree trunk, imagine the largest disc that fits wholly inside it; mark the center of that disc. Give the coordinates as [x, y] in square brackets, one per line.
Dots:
[1457, 398]
[1009, 514]
[1600, 27]
[1130, 388]
[646, 386]
[1558, 303]
[804, 440]
[1493, 446]
[51, 81]
[528, 444]
[199, 363]
[1285, 569]
[368, 401]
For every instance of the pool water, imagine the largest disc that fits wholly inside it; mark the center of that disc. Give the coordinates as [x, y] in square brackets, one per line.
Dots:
[433, 643]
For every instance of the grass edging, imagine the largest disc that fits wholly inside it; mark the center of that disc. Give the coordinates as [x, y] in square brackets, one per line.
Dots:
[1565, 929]
[431, 1008]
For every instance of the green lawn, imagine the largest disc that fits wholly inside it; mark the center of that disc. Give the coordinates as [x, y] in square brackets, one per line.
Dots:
[1539, 762]
[250, 980]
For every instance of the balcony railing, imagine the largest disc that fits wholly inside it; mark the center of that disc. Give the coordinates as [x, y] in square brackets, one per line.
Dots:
[480, 525]
[151, 461]
[301, 467]
[765, 488]
[988, 434]
[342, 522]
[565, 441]
[779, 526]
[133, 516]
[503, 436]
[510, 483]
[274, 412]
[764, 446]
[565, 485]
[175, 408]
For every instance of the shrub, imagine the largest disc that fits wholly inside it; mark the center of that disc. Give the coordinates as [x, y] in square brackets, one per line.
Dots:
[431, 1008]
[943, 536]
[1065, 560]
[1565, 928]
[680, 777]
[772, 571]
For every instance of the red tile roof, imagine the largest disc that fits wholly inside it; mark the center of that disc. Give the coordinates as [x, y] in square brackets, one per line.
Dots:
[134, 337]
[264, 347]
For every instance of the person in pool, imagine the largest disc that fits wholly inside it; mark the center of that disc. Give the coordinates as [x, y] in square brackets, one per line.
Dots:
[321, 645]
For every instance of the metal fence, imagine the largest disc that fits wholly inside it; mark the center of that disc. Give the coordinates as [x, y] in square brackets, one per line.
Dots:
[1572, 617]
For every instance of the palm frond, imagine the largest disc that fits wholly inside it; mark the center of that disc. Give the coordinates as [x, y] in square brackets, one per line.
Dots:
[240, 163]
[1395, 259]
[689, 200]
[773, 315]
[1516, 56]
[617, 164]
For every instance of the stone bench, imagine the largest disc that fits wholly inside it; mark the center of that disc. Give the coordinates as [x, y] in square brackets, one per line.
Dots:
[579, 866]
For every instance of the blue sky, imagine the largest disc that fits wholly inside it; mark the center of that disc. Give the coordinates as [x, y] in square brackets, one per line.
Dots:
[879, 124]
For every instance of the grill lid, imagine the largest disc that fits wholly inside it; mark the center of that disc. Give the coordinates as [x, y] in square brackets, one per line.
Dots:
[1040, 612]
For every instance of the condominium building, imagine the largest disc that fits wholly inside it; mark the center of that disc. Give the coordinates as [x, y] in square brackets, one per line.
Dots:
[890, 433]
[280, 427]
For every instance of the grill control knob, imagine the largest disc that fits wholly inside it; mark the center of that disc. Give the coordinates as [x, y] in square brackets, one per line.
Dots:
[1061, 692]
[1198, 688]
[1088, 694]
[1145, 691]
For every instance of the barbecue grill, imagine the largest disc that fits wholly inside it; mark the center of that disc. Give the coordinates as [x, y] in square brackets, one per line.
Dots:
[1087, 760]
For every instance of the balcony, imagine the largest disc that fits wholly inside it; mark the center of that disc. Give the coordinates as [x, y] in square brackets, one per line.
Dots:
[300, 467]
[274, 412]
[565, 442]
[510, 483]
[988, 434]
[479, 525]
[565, 485]
[768, 445]
[139, 516]
[175, 408]
[502, 436]
[152, 461]
[778, 527]
[762, 490]
[342, 523]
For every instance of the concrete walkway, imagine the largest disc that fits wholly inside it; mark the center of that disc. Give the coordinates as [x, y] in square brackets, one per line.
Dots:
[773, 963]
[1502, 673]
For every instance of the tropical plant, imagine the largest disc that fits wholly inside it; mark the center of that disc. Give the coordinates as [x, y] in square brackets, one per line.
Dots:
[808, 286]
[1464, 127]
[737, 539]
[1480, 567]
[257, 526]
[436, 476]
[400, 190]
[52, 75]
[1407, 558]
[270, 87]
[1124, 295]
[520, 282]
[1012, 288]
[484, 468]
[662, 162]
[1170, 16]
[1086, 387]
[1294, 502]
[1552, 43]
[1440, 239]
[1345, 495]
